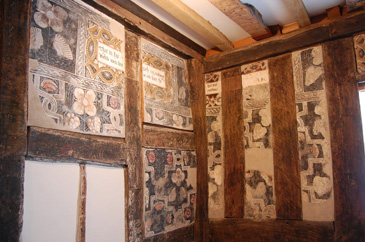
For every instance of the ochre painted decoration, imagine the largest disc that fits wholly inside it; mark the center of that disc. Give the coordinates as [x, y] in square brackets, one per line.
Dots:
[313, 135]
[170, 189]
[165, 88]
[359, 42]
[259, 164]
[213, 92]
[76, 69]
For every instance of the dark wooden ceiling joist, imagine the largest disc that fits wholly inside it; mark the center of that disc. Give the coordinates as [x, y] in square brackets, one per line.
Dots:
[353, 5]
[304, 37]
[184, 48]
[299, 11]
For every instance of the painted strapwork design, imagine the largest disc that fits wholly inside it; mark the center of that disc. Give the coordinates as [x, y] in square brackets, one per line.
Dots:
[259, 164]
[359, 42]
[76, 69]
[170, 189]
[165, 88]
[313, 135]
[213, 92]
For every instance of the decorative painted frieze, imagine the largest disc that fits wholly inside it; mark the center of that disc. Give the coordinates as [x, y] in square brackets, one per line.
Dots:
[213, 92]
[359, 42]
[76, 69]
[259, 165]
[313, 135]
[170, 189]
[165, 88]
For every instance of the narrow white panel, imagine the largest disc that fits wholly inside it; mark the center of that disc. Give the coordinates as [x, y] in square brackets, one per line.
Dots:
[50, 202]
[104, 204]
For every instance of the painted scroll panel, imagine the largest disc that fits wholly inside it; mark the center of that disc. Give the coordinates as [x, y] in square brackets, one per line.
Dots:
[359, 42]
[165, 88]
[170, 189]
[76, 69]
[213, 92]
[313, 135]
[259, 163]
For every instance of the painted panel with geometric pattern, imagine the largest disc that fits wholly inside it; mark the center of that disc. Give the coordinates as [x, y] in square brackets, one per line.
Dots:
[170, 189]
[213, 92]
[359, 42]
[76, 69]
[313, 135]
[259, 165]
[165, 88]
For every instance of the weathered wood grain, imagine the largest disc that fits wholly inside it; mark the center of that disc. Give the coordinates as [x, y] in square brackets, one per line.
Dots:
[270, 230]
[185, 234]
[167, 138]
[346, 140]
[81, 206]
[197, 97]
[14, 52]
[232, 119]
[134, 145]
[307, 36]
[299, 11]
[143, 28]
[285, 139]
[63, 145]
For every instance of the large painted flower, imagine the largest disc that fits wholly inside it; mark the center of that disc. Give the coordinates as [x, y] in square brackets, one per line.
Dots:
[84, 102]
[151, 157]
[178, 177]
[49, 15]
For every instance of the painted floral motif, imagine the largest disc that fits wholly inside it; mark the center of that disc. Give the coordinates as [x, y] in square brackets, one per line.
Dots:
[151, 156]
[178, 177]
[49, 15]
[113, 102]
[169, 159]
[72, 120]
[84, 102]
[94, 124]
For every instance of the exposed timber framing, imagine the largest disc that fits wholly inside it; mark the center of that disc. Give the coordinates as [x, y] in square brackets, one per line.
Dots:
[194, 21]
[353, 5]
[245, 15]
[297, 8]
[276, 45]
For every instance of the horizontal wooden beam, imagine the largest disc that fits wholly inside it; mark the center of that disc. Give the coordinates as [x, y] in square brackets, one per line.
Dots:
[222, 230]
[143, 28]
[245, 15]
[196, 22]
[299, 11]
[167, 138]
[69, 146]
[353, 5]
[304, 37]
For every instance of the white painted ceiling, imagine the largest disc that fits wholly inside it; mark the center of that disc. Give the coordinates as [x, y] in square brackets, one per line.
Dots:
[273, 12]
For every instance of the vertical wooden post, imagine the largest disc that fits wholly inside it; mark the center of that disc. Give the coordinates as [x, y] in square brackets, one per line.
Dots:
[134, 138]
[14, 43]
[285, 139]
[234, 180]
[346, 140]
[197, 87]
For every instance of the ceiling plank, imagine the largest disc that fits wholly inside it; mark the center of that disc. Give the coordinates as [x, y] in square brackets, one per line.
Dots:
[353, 5]
[245, 15]
[297, 8]
[194, 21]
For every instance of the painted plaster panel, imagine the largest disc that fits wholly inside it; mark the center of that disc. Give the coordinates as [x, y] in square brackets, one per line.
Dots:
[76, 69]
[313, 135]
[259, 171]
[170, 189]
[165, 88]
[213, 92]
[359, 42]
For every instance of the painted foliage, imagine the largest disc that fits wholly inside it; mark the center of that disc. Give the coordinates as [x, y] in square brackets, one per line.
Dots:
[313, 135]
[259, 170]
[170, 189]
[76, 69]
[359, 42]
[165, 88]
[213, 92]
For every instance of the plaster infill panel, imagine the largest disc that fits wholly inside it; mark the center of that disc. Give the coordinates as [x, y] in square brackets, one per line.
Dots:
[76, 70]
[314, 145]
[259, 165]
[213, 94]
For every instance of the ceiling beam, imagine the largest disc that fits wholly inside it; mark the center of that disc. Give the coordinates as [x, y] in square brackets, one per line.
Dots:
[245, 15]
[194, 21]
[297, 8]
[353, 5]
